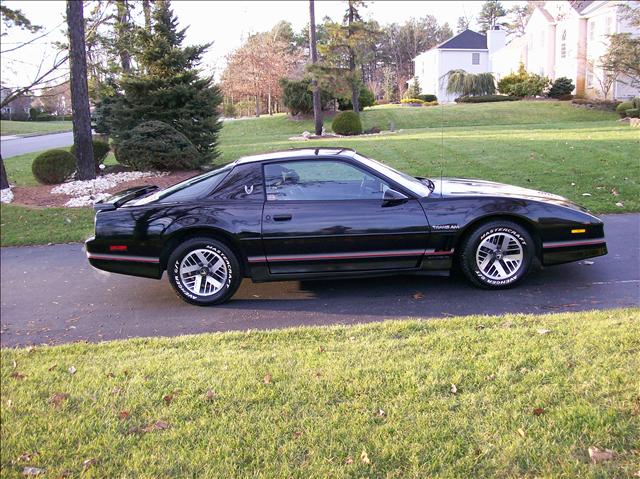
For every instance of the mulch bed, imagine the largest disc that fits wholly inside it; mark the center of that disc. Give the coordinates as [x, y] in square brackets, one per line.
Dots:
[40, 196]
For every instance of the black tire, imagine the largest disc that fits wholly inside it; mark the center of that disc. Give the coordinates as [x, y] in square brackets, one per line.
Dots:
[221, 251]
[469, 250]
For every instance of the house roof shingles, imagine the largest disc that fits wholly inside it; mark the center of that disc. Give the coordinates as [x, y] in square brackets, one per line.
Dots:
[467, 39]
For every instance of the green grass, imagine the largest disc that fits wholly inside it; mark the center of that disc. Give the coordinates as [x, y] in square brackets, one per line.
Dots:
[29, 128]
[321, 408]
[28, 226]
[582, 154]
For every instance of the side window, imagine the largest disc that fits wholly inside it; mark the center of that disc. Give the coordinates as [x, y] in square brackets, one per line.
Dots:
[475, 58]
[243, 183]
[315, 180]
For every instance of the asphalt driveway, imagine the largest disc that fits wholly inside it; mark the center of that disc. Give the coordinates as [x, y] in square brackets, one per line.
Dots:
[51, 295]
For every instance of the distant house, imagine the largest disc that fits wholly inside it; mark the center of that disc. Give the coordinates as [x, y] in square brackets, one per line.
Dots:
[17, 109]
[562, 39]
[567, 39]
[469, 51]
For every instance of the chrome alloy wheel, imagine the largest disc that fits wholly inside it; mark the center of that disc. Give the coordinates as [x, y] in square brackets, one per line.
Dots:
[499, 256]
[203, 272]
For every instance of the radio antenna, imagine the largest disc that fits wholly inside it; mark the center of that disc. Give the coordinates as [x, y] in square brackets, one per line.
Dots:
[441, 145]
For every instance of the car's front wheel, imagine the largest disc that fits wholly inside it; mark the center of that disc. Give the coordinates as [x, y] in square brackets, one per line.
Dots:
[497, 254]
[204, 271]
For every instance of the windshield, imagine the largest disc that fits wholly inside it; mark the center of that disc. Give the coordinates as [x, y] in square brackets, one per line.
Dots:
[208, 181]
[413, 184]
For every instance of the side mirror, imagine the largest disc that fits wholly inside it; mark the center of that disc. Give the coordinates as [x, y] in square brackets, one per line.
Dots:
[393, 197]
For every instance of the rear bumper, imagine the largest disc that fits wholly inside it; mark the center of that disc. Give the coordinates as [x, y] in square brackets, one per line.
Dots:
[559, 252]
[123, 263]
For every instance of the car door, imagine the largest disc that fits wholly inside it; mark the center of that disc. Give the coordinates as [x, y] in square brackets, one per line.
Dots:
[328, 215]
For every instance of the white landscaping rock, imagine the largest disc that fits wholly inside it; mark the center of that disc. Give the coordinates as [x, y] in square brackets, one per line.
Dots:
[87, 192]
[102, 183]
[6, 195]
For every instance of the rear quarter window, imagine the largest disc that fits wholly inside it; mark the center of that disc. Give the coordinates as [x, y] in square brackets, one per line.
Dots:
[243, 183]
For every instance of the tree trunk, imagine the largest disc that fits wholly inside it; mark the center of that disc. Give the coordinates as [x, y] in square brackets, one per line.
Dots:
[317, 104]
[257, 106]
[269, 102]
[146, 8]
[123, 28]
[79, 92]
[355, 91]
[4, 181]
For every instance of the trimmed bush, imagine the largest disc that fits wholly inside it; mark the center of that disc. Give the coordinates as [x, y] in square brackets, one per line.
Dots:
[636, 102]
[347, 123]
[633, 112]
[561, 87]
[53, 166]
[486, 99]
[412, 101]
[100, 151]
[156, 145]
[623, 107]
[428, 98]
[367, 98]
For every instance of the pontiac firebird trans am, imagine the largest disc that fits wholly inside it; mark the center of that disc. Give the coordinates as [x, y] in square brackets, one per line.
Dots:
[331, 212]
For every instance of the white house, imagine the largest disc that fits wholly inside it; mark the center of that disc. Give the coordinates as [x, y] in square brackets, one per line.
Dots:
[469, 51]
[567, 39]
[562, 39]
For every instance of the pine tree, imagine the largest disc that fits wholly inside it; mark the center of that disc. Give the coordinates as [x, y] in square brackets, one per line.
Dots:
[167, 86]
[491, 11]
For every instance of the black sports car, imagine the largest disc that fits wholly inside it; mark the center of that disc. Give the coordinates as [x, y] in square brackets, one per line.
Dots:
[317, 213]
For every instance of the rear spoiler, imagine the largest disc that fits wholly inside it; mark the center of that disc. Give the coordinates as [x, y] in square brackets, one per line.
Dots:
[120, 198]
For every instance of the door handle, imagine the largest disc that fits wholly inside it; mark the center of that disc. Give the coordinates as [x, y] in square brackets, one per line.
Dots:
[284, 217]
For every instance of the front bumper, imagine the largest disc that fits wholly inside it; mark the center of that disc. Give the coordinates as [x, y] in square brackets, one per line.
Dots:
[558, 252]
[101, 258]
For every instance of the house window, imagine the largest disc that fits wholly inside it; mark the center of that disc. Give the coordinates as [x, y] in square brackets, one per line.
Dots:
[608, 24]
[592, 30]
[563, 45]
[475, 58]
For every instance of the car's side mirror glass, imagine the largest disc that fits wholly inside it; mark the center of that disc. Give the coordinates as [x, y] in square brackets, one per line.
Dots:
[393, 197]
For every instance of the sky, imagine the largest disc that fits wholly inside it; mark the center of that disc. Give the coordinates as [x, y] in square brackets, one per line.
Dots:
[225, 23]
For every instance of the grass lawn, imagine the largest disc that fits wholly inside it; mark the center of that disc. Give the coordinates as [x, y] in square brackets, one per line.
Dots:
[363, 401]
[29, 226]
[582, 154]
[28, 128]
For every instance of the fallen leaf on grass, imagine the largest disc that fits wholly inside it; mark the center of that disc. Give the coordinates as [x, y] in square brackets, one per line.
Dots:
[637, 474]
[111, 375]
[57, 398]
[349, 460]
[615, 192]
[321, 349]
[267, 379]
[521, 432]
[381, 413]
[124, 415]
[168, 398]
[538, 411]
[88, 463]
[491, 377]
[620, 204]
[72, 370]
[600, 455]
[210, 395]
[24, 457]
[297, 434]
[543, 331]
[364, 458]
[14, 364]
[52, 367]
[418, 296]
[454, 389]
[32, 471]
[17, 375]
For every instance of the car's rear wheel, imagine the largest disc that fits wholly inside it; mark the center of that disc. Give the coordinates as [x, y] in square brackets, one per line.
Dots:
[204, 271]
[497, 255]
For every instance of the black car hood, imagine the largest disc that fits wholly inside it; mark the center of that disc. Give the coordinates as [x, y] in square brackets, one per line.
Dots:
[463, 187]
